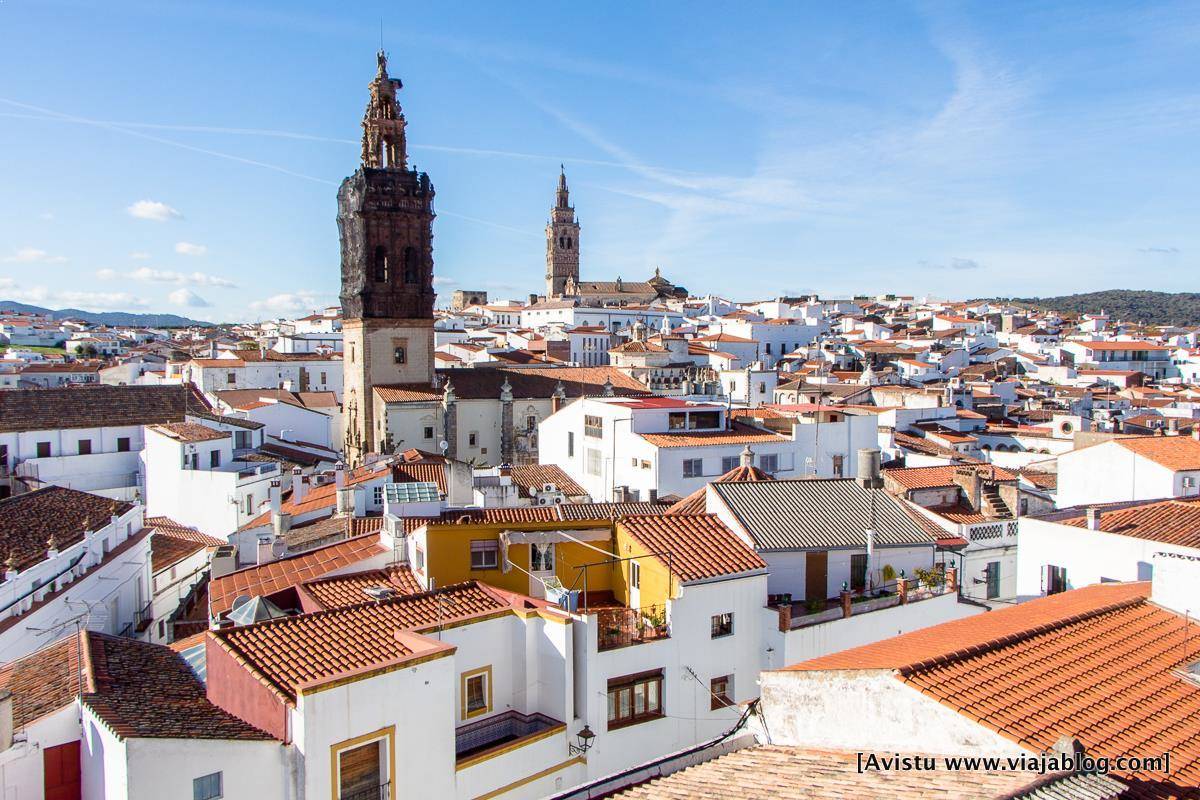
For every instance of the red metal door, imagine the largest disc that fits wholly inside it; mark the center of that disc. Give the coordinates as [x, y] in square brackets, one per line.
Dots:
[60, 767]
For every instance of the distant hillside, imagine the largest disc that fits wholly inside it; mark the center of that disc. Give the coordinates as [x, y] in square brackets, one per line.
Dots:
[1129, 305]
[107, 317]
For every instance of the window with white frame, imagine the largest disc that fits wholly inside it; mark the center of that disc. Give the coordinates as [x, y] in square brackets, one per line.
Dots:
[769, 464]
[485, 554]
[693, 467]
[593, 461]
[207, 787]
[729, 463]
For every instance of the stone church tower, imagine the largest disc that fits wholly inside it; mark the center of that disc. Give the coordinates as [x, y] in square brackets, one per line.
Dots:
[385, 221]
[562, 243]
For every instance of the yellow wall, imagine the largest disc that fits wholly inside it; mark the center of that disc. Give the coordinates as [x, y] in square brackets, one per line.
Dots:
[656, 585]
[448, 556]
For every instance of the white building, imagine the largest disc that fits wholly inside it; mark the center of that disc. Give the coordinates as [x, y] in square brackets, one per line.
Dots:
[1131, 468]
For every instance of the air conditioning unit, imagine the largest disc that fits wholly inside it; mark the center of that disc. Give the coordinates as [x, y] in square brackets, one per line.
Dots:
[549, 487]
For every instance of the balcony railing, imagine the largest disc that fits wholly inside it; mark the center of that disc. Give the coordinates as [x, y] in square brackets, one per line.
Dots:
[477, 740]
[621, 627]
[143, 617]
[381, 792]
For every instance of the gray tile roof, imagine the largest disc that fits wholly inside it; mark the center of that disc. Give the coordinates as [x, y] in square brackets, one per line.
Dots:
[817, 514]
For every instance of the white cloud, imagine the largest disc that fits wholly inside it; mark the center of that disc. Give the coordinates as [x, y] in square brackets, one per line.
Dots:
[440, 281]
[190, 249]
[139, 255]
[107, 274]
[187, 298]
[150, 274]
[289, 302]
[46, 215]
[7, 283]
[153, 210]
[89, 301]
[33, 255]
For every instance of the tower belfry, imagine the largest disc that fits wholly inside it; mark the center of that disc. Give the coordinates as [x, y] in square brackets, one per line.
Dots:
[385, 221]
[562, 242]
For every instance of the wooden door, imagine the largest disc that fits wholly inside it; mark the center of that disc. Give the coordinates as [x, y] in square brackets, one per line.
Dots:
[60, 770]
[816, 575]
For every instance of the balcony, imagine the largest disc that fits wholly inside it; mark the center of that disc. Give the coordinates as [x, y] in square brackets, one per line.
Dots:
[622, 627]
[479, 741]
[901, 592]
[381, 792]
[143, 617]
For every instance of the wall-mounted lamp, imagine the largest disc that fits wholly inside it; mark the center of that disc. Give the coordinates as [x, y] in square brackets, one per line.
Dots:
[585, 737]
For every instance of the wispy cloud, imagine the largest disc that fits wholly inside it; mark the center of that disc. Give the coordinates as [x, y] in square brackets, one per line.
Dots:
[958, 264]
[1160, 250]
[152, 275]
[290, 302]
[56, 298]
[33, 255]
[188, 299]
[153, 210]
[190, 249]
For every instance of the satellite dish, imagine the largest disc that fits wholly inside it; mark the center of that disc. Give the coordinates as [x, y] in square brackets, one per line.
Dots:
[444, 445]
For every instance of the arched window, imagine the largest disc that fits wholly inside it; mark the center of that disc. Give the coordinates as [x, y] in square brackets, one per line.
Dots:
[410, 265]
[569, 242]
[381, 264]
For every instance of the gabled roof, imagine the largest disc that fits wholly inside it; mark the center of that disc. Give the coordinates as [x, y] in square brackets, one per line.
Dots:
[1176, 453]
[28, 521]
[1172, 521]
[94, 406]
[1099, 664]
[818, 513]
[528, 383]
[695, 503]
[532, 477]
[940, 476]
[695, 547]
[343, 591]
[172, 542]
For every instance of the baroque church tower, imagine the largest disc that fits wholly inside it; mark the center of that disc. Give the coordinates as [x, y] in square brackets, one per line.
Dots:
[385, 221]
[562, 243]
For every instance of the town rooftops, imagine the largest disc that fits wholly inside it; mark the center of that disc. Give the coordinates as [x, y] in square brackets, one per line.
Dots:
[343, 591]
[530, 478]
[696, 547]
[738, 433]
[937, 477]
[526, 383]
[295, 652]
[1100, 664]
[28, 521]
[818, 513]
[189, 432]
[172, 542]
[1171, 521]
[94, 407]
[696, 502]
[1122, 346]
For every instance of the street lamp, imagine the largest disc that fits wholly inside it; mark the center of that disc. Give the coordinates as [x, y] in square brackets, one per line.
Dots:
[585, 737]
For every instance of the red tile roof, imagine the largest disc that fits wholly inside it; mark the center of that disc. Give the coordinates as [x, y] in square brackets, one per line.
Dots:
[531, 477]
[696, 502]
[934, 477]
[738, 434]
[1100, 664]
[275, 576]
[700, 546]
[43, 681]
[343, 591]
[1175, 521]
[190, 432]
[28, 521]
[1176, 453]
[291, 652]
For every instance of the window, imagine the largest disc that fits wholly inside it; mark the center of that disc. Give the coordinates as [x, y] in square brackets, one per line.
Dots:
[769, 464]
[324, 380]
[241, 439]
[593, 427]
[593, 461]
[362, 766]
[410, 265]
[381, 264]
[635, 575]
[249, 504]
[472, 439]
[428, 432]
[207, 787]
[214, 459]
[722, 625]
[541, 558]
[231, 378]
[531, 424]
[85, 447]
[43, 449]
[768, 348]
[1055, 580]
[693, 467]
[485, 554]
[377, 495]
[420, 560]
[729, 463]
[570, 444]
[122, 444]
[399, 355]
[476, 692]
[722, 692]
[635, 698]
[858, 572]
[839, 466]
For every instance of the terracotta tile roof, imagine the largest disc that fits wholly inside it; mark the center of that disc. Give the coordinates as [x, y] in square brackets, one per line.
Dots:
[291, 652]
[176, 539]
[421, 472]
[1043, 480]
[934, 477]
[777, 772]
[700, 546]
[190, 432]
[411, 393]
[739, 433]
[1173, 521]
[1173, 452]
[1122, 346]
[343, 591]
[43, 681]
[526, 383]
[27, 521]
[531, 477]
[275, 576]
[147, 691]
[92, 406]
[695, 503]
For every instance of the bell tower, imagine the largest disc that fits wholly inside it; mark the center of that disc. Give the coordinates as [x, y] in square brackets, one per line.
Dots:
[562, 242]
[385, 222]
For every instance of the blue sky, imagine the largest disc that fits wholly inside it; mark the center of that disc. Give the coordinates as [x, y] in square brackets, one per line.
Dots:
[184, 156]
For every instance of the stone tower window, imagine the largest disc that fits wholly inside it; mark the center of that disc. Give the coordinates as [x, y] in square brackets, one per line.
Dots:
[410, 265]
[399, 355]
[381, 264]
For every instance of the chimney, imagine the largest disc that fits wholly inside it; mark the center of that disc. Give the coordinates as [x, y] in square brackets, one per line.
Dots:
[345, 500]
[1093, 518]
[339, 475]
[273, 497]
[868, 468]
[747, 457]
[300, 489]
[1173, 426]
[6, 719]
[222, 561]
[281, 523]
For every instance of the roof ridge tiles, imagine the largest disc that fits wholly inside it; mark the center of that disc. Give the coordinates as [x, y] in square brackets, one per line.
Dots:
[991, 645]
